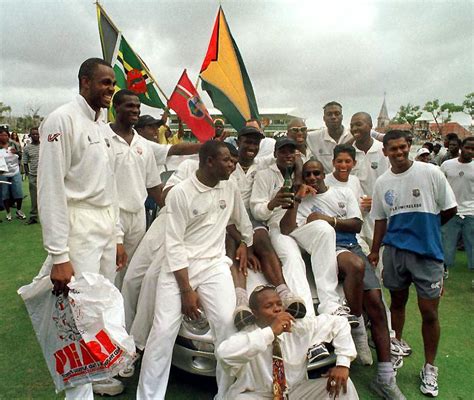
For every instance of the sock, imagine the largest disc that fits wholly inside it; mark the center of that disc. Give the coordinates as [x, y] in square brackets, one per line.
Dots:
[360, 330]
[282, 290]
[385, 371]
[241, 297]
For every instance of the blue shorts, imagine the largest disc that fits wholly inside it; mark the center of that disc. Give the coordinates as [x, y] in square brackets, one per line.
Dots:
[15, 190]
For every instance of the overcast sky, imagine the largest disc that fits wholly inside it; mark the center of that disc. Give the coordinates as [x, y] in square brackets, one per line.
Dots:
[298, 53]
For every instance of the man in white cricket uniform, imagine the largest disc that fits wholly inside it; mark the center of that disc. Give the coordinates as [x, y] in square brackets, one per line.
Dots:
[298, 131]
[197, 271]
[260, 373]
[460, 174]
[411, 201]
[76, 189]
[322, 141]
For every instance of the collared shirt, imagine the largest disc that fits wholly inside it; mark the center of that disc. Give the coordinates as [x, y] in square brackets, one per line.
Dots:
[196, 219]
[247, 355]
[322, 145]
[31, 157]
[135, 170]
[75, 167]
[370, 166]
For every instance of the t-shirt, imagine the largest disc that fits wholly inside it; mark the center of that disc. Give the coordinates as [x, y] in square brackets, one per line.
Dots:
[10, 161]
[335, 202]
[412, 201]
[31, 157]
[461, 178]
[352, 183]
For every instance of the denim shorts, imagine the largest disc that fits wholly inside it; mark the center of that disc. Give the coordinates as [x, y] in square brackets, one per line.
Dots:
[15, 190]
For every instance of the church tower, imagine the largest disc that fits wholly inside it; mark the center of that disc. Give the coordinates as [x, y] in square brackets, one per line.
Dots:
[383, 119]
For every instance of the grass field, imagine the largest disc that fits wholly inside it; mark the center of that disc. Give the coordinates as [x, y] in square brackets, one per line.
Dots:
[23, 372]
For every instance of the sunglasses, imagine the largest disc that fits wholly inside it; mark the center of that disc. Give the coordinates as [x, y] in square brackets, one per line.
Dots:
[307, 174]
[297, 129]
[259, 288]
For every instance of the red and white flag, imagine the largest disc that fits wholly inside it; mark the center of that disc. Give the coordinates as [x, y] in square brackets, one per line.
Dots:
[187, 104]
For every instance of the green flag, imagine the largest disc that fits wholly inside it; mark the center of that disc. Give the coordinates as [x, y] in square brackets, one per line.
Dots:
[131, 73]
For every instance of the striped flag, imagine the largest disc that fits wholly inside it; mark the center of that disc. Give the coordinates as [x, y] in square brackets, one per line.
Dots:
[225, 78]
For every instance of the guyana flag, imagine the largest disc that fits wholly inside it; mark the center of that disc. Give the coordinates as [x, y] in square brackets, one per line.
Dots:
[130, 71]
[225, 78]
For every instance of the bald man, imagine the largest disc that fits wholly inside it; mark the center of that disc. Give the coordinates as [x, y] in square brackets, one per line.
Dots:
[297, 130]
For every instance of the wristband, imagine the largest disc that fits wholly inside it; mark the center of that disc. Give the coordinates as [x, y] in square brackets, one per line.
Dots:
[297, 199]
[183, 291]
[335, 222]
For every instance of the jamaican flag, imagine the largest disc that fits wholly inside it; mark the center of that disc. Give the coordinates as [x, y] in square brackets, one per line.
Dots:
[225, 78]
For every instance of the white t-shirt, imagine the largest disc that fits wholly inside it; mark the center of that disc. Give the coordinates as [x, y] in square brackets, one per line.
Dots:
[335, 202]
[352, 183]
[412, 201]
[461, 178]
[135, 170]
[10, 163]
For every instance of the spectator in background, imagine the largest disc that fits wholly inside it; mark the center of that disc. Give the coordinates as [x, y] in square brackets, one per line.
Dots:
[10, 186]
[423, 155]
[218, 127]
[30, 163]
[438, 152]
[166, 136]
[452, 144]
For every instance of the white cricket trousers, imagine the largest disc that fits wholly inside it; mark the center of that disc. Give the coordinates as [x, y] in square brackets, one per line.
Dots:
[92, 248]
[318, 238]
[294, 268]
[134, 228]
[311, 389]
[144, 255]
[213, 281]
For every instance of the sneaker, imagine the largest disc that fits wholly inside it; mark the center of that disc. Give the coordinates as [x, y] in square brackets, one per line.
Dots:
[388, 391]
[110, 387]
[445, 274]
[243, 317]
[294, 305]
[364, 355]
[344, 311]
[399, 347]
[317, 352]
[9, 217]
[130, 370]
[397, 361]
[31, 221]
[429, 380]
[20, 214]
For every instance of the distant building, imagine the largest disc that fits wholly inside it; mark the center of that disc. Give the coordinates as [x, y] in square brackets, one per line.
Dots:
[383, 119]
[273, 119]
[426, 130]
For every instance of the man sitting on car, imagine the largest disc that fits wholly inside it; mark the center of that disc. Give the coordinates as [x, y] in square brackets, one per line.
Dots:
[269, 359]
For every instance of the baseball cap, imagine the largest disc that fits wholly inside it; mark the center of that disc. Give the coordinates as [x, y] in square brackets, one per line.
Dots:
[146, 120]
[250, 130]
[422, 151]
[284, 142]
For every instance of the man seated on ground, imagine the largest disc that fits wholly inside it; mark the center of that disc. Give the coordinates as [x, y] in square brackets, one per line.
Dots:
[271, 195]
[411, 201]
[196, 272]
[339, 207]
[269, 359]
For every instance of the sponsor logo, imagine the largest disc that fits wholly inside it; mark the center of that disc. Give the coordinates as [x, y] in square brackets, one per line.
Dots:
[222, 204]
[139, 151]
[374, 165]
[341, 204]
[436, 285]
[390, 197]
[461, 173]
[54, 137]
[416, 192]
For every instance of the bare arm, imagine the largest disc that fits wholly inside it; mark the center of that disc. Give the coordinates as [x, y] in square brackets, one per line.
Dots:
[446, 215]
[379, 233]
[184, 149]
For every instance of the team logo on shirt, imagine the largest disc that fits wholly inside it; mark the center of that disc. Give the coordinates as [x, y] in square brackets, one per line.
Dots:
[139, 151]
[222, 204]
[54, 137]
[253, 173]
[341, 204]
[461, 173]
[390, 197]
[374, 165]
[416, 192]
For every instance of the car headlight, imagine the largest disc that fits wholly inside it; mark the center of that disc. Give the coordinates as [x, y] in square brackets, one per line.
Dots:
[203, 346]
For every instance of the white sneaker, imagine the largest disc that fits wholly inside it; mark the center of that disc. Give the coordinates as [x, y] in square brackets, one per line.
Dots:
[397, 361]
[344, 311]
[110, 387]
[399, 347]
[20, 214]
[130, 370]
[429, 380]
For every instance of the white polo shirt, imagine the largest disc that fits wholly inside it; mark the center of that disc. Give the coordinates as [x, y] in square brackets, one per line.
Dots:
[135, 170]
[196, 219]
[461, 178]
[352, 183]
[322, 145]
[370, 166]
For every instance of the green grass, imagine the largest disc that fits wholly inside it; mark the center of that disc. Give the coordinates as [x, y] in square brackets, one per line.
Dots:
[23, 372]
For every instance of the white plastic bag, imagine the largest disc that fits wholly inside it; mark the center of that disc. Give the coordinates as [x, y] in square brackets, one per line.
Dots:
[82, 336]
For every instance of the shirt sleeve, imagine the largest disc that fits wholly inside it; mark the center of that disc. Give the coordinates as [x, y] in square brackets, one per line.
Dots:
[377, 211]
[444, 194]
[26, 155]
[54, 163]
[176, 222]
[160, 151]
[152, 174]
[240, 218]
[261, 192]
[353, 210]
[242, 347]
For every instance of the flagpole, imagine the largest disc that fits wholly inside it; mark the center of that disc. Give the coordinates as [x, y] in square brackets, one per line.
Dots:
[144, 64]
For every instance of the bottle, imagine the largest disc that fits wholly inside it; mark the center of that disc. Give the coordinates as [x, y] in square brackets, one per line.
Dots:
[288, 186]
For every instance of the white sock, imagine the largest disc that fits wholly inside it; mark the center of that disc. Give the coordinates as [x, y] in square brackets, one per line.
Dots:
[385, 371]
[241, 297]
[282, 290]
[360, 330]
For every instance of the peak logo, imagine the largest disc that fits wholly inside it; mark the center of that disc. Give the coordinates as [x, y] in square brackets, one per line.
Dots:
[54, 137]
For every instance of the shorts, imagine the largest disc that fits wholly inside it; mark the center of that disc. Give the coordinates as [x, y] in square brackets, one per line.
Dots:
[370, 279]
[256, 224]
[402, 267]
[15, 190]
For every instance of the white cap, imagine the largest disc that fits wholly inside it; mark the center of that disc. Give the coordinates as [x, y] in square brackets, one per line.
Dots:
[422, 151]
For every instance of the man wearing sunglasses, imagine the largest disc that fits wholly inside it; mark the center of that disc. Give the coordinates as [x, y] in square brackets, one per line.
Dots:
[298, 131]
[269, 358]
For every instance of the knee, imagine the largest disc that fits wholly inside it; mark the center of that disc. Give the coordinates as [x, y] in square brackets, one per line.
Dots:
[358, 267]
[429, 316]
